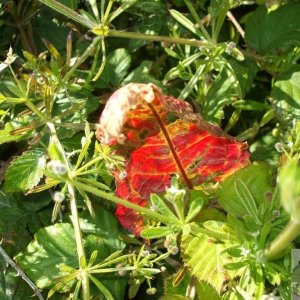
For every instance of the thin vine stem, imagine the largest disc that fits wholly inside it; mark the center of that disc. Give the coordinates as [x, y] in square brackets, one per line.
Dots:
[159, 38]
[79, 244]
[21, 273]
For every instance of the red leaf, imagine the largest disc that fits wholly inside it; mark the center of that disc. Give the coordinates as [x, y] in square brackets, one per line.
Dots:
[158, 147]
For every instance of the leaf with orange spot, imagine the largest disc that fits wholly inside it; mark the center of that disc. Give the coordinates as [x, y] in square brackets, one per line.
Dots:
[164, 137]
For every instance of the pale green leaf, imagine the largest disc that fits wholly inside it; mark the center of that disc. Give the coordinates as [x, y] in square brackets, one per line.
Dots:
[25, 171]
[205, 258]
[206, 291]
[196, 203]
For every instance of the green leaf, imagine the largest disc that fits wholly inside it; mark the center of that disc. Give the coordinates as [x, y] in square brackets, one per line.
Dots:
[156, 232]
[196, 203]
[257, 186]
[206, 291]
[278, 29]
[70, 108]
[289, 182]
[175, 292]
[102, 288]
[160, 205]
[141, 75]
[47, 25]
[245, 73]
[70, 3]
[116, 68]
[181, 19]
[25, 171]
[286, 95]
[6, 136]
[205, 258]
[19, 216]
[249, 105]
[247, 199]
[52, 248]
[219, 95]
[104, 226]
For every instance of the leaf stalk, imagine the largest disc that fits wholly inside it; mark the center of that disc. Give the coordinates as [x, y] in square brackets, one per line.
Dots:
[282, 241]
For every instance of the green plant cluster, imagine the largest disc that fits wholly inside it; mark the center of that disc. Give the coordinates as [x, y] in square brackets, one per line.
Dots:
[236, 61]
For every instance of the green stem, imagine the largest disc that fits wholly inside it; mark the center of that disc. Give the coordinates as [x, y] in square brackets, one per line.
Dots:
[198, 20]
[142, 210]
[103, 63]
[158, 38]
[85, 166]
[31, 106]
[79, 244]
[283, 240]
[20, 273]
[81, 59]
[107, 12]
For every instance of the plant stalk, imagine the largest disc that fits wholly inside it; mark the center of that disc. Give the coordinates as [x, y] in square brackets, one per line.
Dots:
[108, 196]
[193, 12]
[79, 244]
[158, 38]
[283, 240]
[21, 273]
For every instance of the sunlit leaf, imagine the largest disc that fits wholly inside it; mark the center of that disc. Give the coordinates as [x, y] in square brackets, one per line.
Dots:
[26, 170]
[205, 258]
[53, 247]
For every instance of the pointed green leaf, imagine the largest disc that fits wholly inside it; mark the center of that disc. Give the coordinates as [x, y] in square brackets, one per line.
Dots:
[184, 21]
[25, 171]
[196, 202]
[160, 205]
[156, 232]
[102, 288]
[247, 199]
